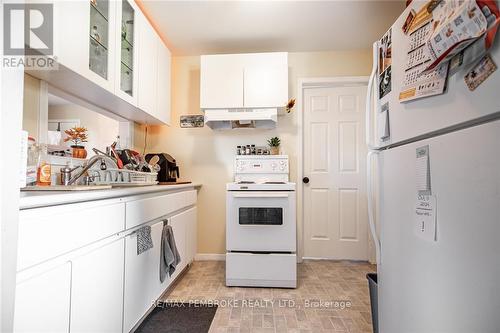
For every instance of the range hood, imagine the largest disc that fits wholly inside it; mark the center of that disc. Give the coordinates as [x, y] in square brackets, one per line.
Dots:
[220, 119]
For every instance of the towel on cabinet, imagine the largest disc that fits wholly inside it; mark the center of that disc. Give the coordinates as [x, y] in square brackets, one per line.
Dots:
[170, 256]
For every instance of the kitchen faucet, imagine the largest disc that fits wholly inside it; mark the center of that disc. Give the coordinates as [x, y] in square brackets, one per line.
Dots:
[93, 160]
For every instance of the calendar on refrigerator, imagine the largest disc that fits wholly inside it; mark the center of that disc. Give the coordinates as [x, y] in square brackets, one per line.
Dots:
[417, 83]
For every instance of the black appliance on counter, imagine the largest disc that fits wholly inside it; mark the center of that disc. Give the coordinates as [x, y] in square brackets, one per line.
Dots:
[169, 171]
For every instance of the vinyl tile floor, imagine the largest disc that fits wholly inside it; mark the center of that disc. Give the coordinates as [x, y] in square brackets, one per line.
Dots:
[332, 296]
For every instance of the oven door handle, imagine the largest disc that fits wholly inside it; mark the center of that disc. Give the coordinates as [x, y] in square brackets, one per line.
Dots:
[255, 195]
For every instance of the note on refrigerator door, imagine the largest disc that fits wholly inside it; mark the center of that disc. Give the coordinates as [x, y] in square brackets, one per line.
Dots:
[425, 217]
[422, 166]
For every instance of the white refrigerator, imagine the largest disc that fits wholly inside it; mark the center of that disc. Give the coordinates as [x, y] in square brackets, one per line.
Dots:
[436, 165]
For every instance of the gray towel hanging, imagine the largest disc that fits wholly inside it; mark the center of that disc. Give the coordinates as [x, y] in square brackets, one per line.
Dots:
[170, 257]
[144, 240]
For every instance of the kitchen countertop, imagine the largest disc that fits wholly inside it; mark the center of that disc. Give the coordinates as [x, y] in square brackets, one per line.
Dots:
[43, 199]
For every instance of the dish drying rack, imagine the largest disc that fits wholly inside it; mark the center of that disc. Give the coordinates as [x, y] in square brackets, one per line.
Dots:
[122, 177]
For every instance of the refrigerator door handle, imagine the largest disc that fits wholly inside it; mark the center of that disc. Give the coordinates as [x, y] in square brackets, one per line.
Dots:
[371, 215]
[369, 100]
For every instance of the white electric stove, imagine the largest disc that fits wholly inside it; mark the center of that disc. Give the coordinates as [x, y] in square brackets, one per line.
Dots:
[261, 224]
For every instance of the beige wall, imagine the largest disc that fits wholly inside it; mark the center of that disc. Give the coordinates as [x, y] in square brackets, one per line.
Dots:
[31, 106]
[206, 156]
[102, 131]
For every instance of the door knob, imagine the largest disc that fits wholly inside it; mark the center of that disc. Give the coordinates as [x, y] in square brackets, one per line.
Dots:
[305, 180]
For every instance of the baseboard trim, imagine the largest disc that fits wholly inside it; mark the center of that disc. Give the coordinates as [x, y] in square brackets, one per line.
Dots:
[210, 257]
[335, 259]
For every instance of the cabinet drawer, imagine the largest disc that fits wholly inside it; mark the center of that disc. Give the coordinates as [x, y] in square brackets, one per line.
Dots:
[277, 270]
[191, 197]
[45, 233]
[148, 209]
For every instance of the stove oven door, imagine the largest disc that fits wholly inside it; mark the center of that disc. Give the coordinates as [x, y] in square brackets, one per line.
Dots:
[260, 221]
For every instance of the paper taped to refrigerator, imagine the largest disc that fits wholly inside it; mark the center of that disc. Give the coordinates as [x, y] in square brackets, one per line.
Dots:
[425, 217]
[423, 170]
[456, 24]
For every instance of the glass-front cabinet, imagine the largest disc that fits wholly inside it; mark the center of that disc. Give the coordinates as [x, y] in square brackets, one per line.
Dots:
[127, 51]
[112, 45]
[99, 37]
[127, 48]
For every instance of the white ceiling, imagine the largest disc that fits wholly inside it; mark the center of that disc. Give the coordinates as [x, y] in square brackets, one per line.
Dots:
[208, 27]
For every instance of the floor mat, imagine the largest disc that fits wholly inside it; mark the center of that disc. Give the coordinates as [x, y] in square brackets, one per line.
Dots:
[178, 318]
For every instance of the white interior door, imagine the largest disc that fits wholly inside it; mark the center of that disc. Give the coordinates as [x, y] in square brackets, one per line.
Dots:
[335, 211]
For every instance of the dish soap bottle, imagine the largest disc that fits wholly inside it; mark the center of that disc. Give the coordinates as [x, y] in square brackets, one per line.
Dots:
[43, 175]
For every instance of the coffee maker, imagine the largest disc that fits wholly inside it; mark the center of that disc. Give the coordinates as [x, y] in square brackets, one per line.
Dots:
[169, 171]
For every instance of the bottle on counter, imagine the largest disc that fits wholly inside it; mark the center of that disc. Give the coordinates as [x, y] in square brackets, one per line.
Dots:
[44, 172]
[248, 150]
[32, 162]
[253, 150]
[238, 150]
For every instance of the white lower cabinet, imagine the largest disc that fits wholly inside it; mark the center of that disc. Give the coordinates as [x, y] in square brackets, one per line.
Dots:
[95, 281]
[97, 290]
[191, 235]
[43, 301]
[156, 234]
[142, 277]
[142, 272]
[179, 225]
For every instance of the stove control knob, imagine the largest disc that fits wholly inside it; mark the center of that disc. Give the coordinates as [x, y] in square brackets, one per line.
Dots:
[282, 168]
[282, 162]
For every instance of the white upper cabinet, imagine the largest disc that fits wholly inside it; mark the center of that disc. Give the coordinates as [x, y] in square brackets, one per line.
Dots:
[163, 86]
[154, 74]
[109, 55]
[126, 62]
[84, 39]
[221, 81]
[254, 80]
[266, 80]
[148, 49]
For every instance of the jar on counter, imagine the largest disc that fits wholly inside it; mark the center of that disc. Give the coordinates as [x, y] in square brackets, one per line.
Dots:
[253, 151]
[238, 150]
[248, 150]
